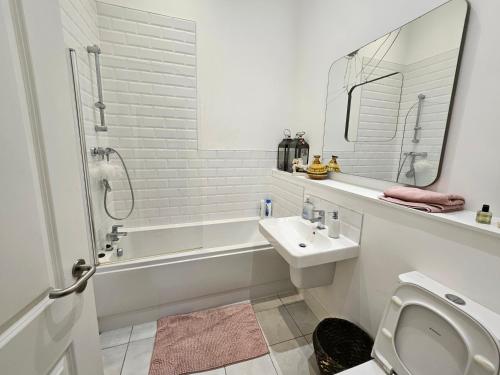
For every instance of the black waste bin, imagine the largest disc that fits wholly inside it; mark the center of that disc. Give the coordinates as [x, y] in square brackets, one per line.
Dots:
[340, 345]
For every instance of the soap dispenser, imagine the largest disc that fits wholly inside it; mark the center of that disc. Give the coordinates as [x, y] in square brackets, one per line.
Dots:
[333, 224]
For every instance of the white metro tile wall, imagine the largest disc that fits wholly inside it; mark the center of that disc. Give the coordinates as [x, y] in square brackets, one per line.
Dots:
[149, 79]
[351, 221]
[288, 200]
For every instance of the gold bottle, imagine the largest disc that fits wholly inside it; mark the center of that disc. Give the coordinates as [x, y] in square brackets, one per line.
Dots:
[333, 165]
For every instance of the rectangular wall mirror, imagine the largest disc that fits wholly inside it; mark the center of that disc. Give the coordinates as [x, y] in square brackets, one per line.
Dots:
[389, 103]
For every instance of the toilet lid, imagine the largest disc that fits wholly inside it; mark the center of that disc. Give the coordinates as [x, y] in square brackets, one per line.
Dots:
[428, 329]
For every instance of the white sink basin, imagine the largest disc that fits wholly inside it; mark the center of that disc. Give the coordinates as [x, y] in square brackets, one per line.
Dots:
[289, 235]
[305, 248]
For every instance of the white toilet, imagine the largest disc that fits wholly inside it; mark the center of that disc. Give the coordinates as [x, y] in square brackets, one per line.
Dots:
[428, 329]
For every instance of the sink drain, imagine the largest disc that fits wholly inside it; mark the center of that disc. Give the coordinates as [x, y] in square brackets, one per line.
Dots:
[302, 244]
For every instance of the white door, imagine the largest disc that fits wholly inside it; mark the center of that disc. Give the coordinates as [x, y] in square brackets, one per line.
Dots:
[42, 218]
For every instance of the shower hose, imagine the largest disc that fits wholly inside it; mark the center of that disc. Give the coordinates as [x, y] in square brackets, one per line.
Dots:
[107, 187]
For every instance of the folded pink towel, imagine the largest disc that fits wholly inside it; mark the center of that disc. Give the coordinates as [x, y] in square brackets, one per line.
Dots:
[426, 207]
[415, 195]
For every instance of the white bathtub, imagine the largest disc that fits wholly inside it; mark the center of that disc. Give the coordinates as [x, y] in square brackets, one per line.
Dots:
[181, 268]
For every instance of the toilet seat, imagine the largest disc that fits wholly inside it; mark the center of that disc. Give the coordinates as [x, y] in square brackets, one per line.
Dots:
[367, 368]
[423, 332]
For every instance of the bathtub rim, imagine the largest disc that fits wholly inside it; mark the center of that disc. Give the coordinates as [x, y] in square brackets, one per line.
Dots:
[181, 256]
[186, 225]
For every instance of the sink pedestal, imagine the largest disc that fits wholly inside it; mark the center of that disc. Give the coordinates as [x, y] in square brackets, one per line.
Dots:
[311, 277]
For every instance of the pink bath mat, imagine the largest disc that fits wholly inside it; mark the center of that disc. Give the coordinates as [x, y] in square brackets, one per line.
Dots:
[206, 340]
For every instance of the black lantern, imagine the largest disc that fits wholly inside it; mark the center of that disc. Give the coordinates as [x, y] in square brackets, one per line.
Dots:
[298, 149]
[283, 148]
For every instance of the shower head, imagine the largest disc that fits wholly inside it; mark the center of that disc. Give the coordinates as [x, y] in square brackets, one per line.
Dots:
[94, 49]
[413, 155]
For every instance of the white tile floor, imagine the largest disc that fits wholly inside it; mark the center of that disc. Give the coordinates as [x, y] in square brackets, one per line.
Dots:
[287, 324]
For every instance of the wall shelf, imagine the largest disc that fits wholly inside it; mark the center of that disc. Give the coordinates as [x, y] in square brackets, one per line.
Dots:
[464, 219]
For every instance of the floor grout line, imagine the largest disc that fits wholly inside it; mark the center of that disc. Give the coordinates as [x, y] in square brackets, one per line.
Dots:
[304, 334]
[282, 303]
[126, 350]
[293, 319]
[124, 357]
[295, 338]
[272, 362]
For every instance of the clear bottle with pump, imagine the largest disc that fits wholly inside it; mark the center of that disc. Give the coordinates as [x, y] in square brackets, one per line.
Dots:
[307, 209]
[333, 224]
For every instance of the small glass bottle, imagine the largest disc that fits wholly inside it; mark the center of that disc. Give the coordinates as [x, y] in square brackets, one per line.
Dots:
[484, 216]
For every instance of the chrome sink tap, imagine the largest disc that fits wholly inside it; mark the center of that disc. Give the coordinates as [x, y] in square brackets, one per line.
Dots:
[115, 233]
[320, 219]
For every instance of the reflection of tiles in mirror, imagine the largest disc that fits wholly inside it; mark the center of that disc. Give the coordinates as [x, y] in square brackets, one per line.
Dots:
[374, 117]
[433, 76]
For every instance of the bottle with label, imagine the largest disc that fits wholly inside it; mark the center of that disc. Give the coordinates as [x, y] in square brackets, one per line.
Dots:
[266, 208]
[269, 208]
[333, 224]
[484, 216]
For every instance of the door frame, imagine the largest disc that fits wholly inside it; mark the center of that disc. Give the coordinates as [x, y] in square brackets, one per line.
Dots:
[67, 326]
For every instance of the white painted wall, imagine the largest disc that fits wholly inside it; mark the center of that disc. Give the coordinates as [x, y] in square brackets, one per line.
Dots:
[445, 17]
[246, 68]
[393, 241]
[471, 161]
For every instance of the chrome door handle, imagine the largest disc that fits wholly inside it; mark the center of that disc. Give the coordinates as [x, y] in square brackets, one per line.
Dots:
[83, 272]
